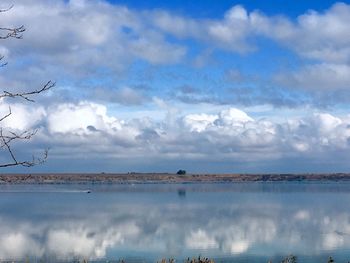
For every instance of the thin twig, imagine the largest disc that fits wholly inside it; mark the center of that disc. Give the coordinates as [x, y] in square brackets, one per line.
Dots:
[6, 9]
[7, 115]
[25, 95]
[6, 144]
[16, 32]
[6, 139]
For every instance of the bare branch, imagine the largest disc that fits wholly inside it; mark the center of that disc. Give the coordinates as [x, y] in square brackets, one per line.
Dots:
[25, 95]
[16, 32]
[35, 161]
[5, 143]
[6, 9]
[7, 146]
[3, 64]
[26, 135]
[7, 115]
[8, 137]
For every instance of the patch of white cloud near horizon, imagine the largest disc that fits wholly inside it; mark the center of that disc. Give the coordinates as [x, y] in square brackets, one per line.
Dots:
[231, 133]
[71, 118]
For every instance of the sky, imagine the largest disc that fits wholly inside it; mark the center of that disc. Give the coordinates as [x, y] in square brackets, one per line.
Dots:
[158, 86]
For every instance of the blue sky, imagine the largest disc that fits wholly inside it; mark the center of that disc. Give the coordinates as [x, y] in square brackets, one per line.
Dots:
[228, 86]
[210, 9]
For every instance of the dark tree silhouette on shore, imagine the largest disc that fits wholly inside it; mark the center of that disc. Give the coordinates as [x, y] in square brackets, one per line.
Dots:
[8, 137]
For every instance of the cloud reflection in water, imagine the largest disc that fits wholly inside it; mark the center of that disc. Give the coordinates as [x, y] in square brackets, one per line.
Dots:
[228, 223]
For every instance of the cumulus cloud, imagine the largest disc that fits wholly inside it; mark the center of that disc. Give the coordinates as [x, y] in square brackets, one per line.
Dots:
[26, 117]
[199, 122]
[232, 116]
[70, 118]
[317, 35]
[230, 134]
[75, 39]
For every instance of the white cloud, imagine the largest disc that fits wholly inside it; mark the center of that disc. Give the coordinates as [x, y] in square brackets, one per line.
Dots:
[230, 134]
[323, 36]
[23, 117]
[199, 122]
[233, 117]
[327, 123]
[230, 33]
[113, 28]
[316, 35]
[77, 38]
[70, 118]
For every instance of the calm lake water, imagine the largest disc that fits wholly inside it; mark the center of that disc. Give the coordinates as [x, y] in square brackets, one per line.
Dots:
[242, 222]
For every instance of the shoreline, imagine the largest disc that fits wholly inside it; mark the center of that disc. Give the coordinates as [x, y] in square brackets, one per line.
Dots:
[143, 178]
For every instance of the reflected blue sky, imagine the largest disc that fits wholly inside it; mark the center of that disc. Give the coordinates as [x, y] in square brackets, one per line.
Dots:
[242, 221]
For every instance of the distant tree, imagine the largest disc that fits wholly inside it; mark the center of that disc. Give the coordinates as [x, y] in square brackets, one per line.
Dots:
[8, 137]
[181, 172]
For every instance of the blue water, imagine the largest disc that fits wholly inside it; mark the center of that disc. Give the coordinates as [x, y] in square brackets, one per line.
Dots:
[242, 222]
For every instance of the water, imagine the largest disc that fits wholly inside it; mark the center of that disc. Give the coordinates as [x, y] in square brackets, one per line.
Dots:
[242, 222]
